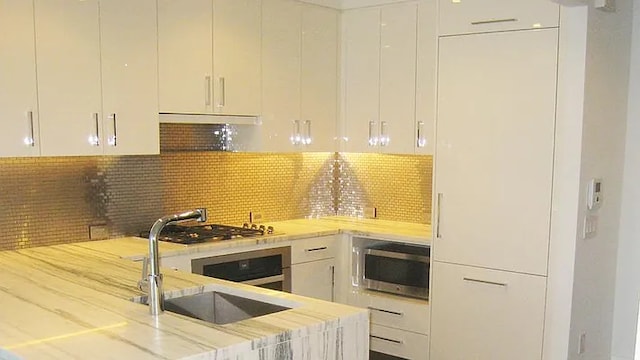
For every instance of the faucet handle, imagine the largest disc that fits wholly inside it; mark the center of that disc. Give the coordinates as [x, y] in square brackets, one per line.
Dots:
[143, 283]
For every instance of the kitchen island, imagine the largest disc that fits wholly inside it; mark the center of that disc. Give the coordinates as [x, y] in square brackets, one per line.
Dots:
[75, 302]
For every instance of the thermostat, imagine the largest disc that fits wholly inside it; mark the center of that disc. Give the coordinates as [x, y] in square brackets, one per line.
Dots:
[594, 194]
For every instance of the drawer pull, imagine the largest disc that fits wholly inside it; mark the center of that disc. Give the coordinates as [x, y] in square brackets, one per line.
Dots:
[385, 311]
[316, 249]
[495, 21]
[485, 282]
[399, 342]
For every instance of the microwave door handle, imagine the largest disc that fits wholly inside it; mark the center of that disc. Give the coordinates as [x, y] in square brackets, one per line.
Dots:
[265, 280]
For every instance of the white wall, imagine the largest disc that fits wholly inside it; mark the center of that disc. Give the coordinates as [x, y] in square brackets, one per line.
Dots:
[603, 138]
[628, 269]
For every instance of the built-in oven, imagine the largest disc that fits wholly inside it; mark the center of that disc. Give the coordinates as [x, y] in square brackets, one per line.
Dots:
[397, 268]
[267, 268]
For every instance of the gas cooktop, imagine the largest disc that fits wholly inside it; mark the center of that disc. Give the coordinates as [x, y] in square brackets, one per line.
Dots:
[212, 232]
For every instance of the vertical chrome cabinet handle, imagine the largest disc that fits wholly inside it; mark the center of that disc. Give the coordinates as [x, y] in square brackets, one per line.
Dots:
[307, 135]
[113, 140]
[333, 283]
[384, 135]
[295, 133]
[438, 211]
[422, 141]
[373, 138]
[94, 139]
[207, 90]
[223, 93]
[30, 140]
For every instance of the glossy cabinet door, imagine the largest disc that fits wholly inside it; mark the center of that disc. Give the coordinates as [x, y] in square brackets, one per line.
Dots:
[129, 76]
[236, 57]
[281, 43]
[496, 118]
[185, 50]
[362, 82]
[486, 314]
[314, 279]
[319, 77]
[18, 94]
[426, 73]
[465, 17]
[398, 344]
[380, 85]
[397, 78]
[68, 70]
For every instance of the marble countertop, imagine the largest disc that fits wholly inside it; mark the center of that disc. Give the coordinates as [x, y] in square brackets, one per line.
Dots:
[75, 301]
[71, 302]
[135, 249]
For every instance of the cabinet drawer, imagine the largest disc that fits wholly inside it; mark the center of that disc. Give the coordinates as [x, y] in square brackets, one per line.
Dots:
[396, 312]
[497, 315]
[476, 16]
[313, 249]
[399, 343]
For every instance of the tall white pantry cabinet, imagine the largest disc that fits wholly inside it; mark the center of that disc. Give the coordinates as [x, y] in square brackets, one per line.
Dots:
[511, 103]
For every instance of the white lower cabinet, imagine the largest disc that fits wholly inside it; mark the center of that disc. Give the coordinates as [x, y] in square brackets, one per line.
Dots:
[313, 267]
[396, 312]
[485, 314]
[388, 343]
[314, 279]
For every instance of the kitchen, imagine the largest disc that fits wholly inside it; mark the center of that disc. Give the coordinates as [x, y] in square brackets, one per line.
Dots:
[120, 195]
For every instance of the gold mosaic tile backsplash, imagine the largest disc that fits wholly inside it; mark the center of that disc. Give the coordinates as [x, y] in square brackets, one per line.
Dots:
[46, 201]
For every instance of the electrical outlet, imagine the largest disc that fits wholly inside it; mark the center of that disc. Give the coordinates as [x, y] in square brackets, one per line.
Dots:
[590, 227]
[370, 212]
[582, 343]
[255, 217]
[98, 232]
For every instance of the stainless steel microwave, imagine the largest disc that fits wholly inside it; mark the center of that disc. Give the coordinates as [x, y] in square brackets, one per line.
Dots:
[397, 268]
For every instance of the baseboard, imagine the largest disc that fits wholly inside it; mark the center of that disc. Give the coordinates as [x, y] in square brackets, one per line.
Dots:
[613, 357]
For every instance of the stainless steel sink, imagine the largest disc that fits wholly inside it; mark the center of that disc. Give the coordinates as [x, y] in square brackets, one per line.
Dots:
[220, 308]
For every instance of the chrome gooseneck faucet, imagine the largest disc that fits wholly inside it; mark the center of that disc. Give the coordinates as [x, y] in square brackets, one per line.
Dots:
[153, 281]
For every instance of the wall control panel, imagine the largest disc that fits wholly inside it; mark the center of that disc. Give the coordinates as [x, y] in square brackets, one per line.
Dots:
[594, 194]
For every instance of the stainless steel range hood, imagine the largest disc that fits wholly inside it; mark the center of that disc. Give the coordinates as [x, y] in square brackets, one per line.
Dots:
[202, 132]
[183, 118]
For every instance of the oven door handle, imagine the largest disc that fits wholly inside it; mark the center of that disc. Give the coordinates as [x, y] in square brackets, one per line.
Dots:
[264, 280]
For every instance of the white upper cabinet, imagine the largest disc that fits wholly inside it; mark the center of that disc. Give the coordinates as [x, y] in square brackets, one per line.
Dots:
[281, 51]
[209, 56]
[236, 56]
[397, 78]
[185, 51]
[18, 94]
[473, 16]
[300, 76]
[496, 118]
[68, 68]
[129, 76]
[426, 73]
[97, 77]
[380, 86]
[319, 78]
[362, 82]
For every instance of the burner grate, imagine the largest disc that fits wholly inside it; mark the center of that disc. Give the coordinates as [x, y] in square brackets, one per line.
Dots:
[201, 233]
